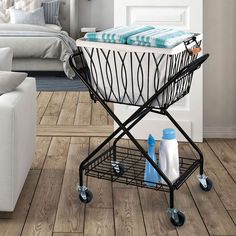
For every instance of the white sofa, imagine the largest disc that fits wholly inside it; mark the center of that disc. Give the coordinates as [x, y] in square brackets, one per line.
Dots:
[17, 141]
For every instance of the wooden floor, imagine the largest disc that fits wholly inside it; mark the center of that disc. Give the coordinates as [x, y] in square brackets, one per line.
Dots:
[69, 127]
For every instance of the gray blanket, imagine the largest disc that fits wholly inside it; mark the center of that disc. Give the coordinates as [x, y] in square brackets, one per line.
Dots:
[32, 41]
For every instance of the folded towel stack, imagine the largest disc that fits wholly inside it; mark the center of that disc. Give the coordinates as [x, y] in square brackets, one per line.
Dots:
[116, 35]
[148, 36]
[159, 37]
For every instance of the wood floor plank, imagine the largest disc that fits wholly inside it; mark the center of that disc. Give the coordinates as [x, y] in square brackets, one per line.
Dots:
[49, 120]
[42, 103]
[110, 119]
[70, 213]
[193, 224]
[214, 215]
[101, 189]
[99, 222]
[231, 143]
[233, 216]
[225, 154]
[67, 114]
[122, 143]
[41, 217]
[14, 225]
[156, 219]
[79, 140]
[68, 234]
[168, 233]
[99, 114]
[154, 206]
[74, 131]
[55, 104]
[42, 145]
[128, 214]
[83, 114]
[212, 210]
[143, 143]
[53, 109]
[84, 97]
[220, 177]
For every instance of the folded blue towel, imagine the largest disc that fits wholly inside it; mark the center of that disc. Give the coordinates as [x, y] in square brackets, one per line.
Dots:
[159, 37]
[116, 35]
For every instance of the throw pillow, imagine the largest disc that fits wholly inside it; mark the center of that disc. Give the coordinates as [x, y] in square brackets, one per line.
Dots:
[35, 17]
[6, 55]
[51, 12]
[9, 81]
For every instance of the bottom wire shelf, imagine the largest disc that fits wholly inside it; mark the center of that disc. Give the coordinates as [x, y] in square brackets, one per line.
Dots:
[133, 163]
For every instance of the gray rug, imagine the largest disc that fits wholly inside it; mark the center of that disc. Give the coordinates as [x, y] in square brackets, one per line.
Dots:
[58, 83]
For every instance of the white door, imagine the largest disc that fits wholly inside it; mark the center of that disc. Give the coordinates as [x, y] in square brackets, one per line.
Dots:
[185, 14]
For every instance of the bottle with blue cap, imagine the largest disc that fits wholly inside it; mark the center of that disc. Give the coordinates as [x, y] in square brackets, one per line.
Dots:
[169, 155]
[151, 176]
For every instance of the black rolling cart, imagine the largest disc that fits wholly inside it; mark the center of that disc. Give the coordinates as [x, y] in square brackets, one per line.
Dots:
[152, 79]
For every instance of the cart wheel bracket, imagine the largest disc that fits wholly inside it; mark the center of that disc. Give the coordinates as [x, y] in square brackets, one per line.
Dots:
[116, 166]
[173, 213]
[177, 218]
[203, 180]
[82, 191]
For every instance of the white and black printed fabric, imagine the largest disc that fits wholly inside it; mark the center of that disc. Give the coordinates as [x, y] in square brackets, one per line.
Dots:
[51, 12]
[26, 5]
[4, 10]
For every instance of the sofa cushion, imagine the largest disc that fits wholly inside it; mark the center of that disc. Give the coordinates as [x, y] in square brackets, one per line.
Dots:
[10, 80]
[17, 141]
[6, 55]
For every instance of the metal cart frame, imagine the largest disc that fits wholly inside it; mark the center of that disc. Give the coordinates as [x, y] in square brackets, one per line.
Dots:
[126, 165]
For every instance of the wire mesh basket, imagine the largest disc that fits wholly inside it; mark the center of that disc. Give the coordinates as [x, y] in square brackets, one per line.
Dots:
[132, 74]
[133, 164]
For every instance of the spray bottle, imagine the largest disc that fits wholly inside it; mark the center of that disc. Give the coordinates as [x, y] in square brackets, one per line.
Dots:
[151, 176]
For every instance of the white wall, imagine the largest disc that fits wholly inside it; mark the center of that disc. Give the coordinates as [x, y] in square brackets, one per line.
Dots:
[96, 13]
[220, 70]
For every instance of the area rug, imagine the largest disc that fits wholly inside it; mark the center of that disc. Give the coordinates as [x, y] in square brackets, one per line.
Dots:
[58, 83]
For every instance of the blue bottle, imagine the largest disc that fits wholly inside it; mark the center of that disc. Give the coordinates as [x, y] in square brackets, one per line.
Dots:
[150, 173]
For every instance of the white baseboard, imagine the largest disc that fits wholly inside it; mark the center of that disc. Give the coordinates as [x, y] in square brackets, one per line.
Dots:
[219, 132]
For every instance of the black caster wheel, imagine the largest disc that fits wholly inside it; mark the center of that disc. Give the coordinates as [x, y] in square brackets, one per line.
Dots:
[208, 187]
[89, 196]
[178, 220]
[118, 170]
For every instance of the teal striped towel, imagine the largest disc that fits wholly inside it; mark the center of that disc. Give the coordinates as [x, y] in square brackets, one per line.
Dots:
[116, 35]
[159, 37]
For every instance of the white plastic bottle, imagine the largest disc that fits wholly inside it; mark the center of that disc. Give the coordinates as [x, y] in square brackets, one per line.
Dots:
[169, 155]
